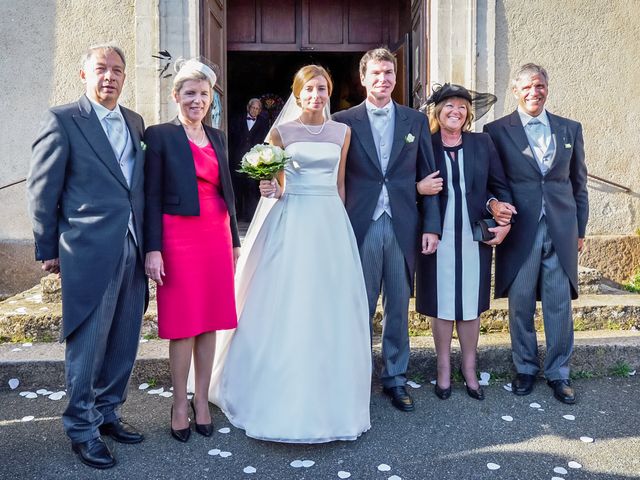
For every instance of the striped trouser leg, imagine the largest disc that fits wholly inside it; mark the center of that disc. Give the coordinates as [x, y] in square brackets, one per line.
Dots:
[100, 354]
[385, 270]
[555, 290]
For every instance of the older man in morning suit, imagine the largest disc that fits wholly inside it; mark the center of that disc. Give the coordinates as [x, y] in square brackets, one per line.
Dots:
[543, 159]
[390, 150]
[86, 199]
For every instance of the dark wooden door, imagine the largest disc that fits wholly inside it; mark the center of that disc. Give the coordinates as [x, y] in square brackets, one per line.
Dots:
[214, 48]
[403, 76]
[419, 48]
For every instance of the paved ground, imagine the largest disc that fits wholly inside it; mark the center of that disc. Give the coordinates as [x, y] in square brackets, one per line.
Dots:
[452, 439]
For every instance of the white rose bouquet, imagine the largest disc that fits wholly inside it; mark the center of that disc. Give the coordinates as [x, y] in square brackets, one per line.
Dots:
[263, 161]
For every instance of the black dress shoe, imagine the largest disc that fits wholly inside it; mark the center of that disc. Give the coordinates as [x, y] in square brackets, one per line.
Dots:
[400, 398]
[563, 391]
[477, 394]
[94, 453]
[523, 384]
[121, 432]
[204, 429]
[442, 393]
[181, 435]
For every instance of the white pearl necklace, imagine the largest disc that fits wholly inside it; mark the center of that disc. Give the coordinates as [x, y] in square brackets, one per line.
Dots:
[311, 132]
[455, 144]
[203, 137]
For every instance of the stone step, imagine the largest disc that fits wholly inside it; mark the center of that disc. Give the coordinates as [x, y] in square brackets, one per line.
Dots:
[31, 315]
[595, 353]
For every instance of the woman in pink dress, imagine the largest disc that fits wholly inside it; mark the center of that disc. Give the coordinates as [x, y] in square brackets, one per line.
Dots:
[191, 240]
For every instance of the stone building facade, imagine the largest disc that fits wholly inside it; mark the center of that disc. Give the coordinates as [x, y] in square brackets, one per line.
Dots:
[589, 48]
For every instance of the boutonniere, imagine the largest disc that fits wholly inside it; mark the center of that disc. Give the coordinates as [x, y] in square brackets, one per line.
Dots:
[567, 145]
[143, 145]
[409, 138]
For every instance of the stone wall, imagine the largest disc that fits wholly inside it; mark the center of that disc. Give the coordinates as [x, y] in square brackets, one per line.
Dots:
[590, 49]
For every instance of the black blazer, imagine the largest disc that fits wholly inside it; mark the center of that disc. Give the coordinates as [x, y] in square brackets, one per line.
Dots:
[170, 179]
[411, 160]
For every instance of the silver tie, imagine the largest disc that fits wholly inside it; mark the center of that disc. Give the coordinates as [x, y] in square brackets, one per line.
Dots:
[116, 133]
[536, 134]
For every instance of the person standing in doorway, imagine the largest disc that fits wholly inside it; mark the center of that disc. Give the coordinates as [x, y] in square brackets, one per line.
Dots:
[390, 151]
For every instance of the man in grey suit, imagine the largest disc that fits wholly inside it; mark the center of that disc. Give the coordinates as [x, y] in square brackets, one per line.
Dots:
[543, 159]
[390, 150]
[86, 199]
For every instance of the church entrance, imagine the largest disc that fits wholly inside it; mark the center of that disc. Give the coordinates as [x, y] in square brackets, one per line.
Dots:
[260, 44]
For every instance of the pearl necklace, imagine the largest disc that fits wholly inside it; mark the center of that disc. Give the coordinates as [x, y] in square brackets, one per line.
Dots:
[454, 144]
[311, 132]
[203, 136]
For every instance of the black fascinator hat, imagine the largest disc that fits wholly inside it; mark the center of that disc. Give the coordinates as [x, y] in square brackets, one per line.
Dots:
[481, 103]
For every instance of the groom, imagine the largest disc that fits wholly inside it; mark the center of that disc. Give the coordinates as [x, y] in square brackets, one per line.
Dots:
[390, 150]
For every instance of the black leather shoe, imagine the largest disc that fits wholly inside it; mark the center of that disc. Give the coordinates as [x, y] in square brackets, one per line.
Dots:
[400, 398]
[181, 435]
[563, 391]
[523, 384]
[121, 432]
[442, 393]
[477, 394]
[94, 453]
[204, 429]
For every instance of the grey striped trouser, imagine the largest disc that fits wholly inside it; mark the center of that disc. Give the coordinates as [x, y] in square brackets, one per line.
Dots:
[385, 269]
[100, 354]
[541, 270]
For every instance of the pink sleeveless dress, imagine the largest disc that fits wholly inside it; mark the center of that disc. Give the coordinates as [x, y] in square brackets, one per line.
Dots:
[198, 293]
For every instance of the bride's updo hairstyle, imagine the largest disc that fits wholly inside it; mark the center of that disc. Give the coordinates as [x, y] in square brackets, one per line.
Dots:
[305, 74]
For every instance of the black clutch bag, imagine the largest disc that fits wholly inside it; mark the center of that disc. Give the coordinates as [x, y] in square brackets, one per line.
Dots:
[481, 228]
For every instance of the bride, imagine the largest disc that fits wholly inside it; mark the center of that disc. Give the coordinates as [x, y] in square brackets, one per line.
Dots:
[298, 368]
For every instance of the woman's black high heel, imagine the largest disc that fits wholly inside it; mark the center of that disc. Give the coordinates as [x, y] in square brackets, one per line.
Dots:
[477, 394]
[204, 429]
[181, 435]
[442, 393]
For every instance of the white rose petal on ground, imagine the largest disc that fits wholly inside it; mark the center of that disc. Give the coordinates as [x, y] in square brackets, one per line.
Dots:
[308, 463]
[31, 395]
[557, 478]
[534, 405]
[28, 418]
[632, 373]
[13, 383]
[586, 439]
[493, 466]
[156, 391]
[569, 417]
[484, 378]
[541, 409]
[413, 384]
[27, 344]
[143, 386]
[56, 396]
[507, 387]
[383, 467]
[296, 464]
[574, 465]
[166, 394]
[507, 418]
[224, 430]
[249, 469]
[432, 382]
[43, 391]
[560, 470]
[16, 349]
[225, 454]
[394, 477]
[213, 452]
[24, 394]
[343, 474]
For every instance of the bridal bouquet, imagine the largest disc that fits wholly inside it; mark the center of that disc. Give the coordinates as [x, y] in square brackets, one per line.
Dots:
[263, 161]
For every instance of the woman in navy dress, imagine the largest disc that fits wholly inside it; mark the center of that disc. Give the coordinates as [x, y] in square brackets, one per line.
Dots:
[453, 285]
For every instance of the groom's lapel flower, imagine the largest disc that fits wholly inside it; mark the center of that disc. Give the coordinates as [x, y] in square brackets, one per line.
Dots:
[409, 138]
[143, 145]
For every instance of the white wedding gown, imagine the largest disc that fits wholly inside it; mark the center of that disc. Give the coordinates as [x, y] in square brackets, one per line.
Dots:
[298, 367]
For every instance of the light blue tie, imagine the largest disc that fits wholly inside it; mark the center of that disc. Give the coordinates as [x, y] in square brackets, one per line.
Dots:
[380, 116]
[536, 134]
[116, 133]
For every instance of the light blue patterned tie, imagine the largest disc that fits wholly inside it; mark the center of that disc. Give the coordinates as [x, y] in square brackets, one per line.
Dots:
[116, 133]
[536, 134]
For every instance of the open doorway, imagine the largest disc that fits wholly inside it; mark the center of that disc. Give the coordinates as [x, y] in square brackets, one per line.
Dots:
[268, 76]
